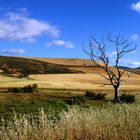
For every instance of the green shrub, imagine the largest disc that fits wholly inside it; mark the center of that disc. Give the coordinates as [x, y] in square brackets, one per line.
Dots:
[127, 98]
[77, 100]
[15, 90]
[89, 94]
[30, 88]
[26, 89]
[99, 96]
[94, 96]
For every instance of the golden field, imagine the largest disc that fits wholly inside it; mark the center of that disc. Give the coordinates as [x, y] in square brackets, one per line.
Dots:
[87, 79]
[66, 61]
[92, 119]
[80, 81]
[68, 81]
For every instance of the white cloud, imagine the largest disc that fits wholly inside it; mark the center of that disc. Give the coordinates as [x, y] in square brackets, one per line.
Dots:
[18, 26]
[136, 6]
[112, 54]
[12, 51]
[63, 43]
[31, 40]
[133, 52]
[134, 37]
[130, 63]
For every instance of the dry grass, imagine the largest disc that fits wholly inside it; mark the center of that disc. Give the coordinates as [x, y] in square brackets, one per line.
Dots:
[121, 122]
[81, 81]
[69, 81]
[6, 78]
[90, 80]
[66, 61]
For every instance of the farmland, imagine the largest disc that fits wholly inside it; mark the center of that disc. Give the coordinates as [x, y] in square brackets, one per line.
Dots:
[78, 75]
[62, 95]
[69, 70]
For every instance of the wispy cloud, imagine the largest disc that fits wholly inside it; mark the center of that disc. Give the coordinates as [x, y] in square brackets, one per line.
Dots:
[134, 37]
[66, 44]
[112, 54]
[19, 26]
[130, 63]
[136, 6]
[12, 51]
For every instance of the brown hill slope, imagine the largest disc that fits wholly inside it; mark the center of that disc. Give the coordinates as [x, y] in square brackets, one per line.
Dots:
[76, 64]
[30, 66]
[39, 69]
[66, 61]
[48, 65]
[136, 71]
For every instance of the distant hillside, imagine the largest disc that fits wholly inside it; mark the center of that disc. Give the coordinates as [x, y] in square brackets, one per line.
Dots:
[67, 61]
[84, 65]
[21, 66]
[134, 70]
[124, 67]
[29, 66]
[138, 68]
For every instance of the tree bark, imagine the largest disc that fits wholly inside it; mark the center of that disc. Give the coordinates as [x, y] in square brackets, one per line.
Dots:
[116, 96]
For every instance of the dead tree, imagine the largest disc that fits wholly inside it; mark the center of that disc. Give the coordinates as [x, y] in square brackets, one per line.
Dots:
[98, 54]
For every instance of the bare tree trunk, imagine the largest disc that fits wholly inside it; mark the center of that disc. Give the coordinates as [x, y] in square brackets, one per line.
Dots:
[116, 95]
[97, 53]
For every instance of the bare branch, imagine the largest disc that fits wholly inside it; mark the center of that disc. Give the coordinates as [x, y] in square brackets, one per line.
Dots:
[99, 57]
[103, 76]
[129, 74]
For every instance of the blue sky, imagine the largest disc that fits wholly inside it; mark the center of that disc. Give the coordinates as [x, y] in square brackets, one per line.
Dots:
[59, 28]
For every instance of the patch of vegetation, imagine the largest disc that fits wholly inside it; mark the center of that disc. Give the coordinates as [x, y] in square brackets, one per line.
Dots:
[99, 96]
[25, 66]
[127, 98]
[76, 100]
[26, 89]
[89, 94]
[30, 105]
[95, 96]
[76, 123]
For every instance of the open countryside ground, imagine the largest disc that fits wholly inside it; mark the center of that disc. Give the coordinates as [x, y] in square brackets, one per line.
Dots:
[68, 81]
[86, 78]
[88, 87]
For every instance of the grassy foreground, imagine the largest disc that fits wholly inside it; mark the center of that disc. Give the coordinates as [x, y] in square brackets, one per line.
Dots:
[109, 122]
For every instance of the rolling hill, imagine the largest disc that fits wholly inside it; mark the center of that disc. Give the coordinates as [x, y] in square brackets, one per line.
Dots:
[83, 65]
[133, 70]
[53, 73]
[66, 61]
[29, 65]
[16, 65]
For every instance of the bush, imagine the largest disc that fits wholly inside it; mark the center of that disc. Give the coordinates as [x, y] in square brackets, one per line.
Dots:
[26, 89]
[99, 96]
[15, 90]
[30, 88]
[127, 98]
[77, 100]
[89, 94]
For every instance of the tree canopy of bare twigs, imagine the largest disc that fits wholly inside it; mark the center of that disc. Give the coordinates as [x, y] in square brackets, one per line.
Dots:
[97, 51]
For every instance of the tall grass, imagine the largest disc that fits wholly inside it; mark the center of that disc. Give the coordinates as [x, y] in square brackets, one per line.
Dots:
[120, 122]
